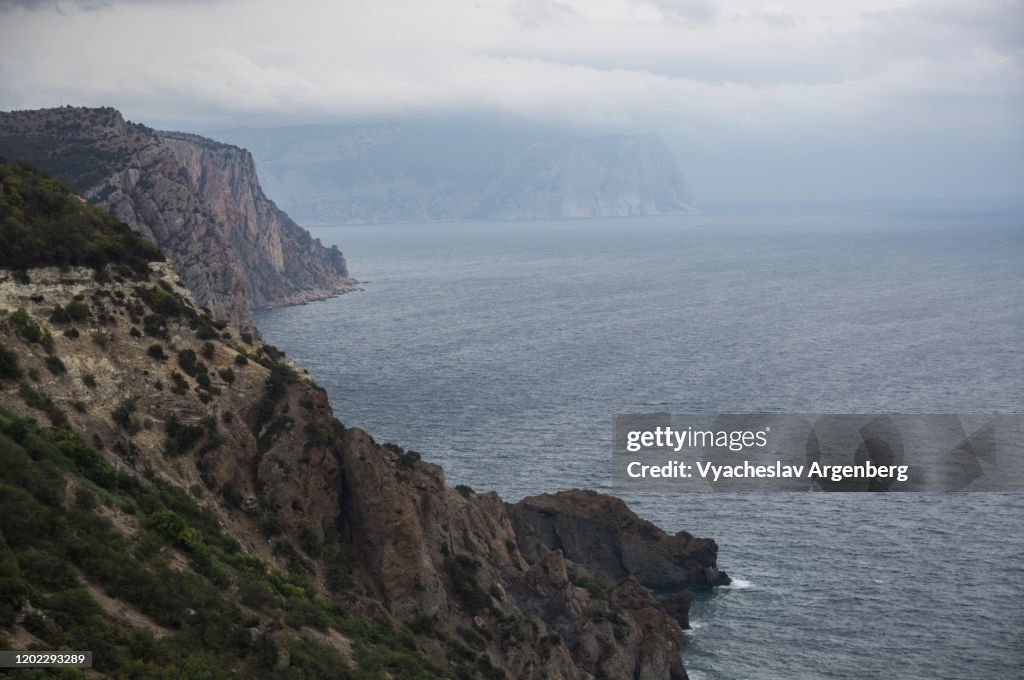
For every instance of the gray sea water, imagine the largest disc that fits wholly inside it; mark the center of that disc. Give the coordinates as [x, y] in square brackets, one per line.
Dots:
[502, 350]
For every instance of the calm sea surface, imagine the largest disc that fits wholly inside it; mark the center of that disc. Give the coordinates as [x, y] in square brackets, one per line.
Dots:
[502, 350]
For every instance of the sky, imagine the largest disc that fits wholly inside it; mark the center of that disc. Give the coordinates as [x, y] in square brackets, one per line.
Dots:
[805, 100]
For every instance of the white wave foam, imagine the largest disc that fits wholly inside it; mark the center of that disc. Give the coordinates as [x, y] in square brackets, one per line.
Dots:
[740, 584]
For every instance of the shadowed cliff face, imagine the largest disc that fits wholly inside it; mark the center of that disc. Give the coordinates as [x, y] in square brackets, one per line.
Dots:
[601, 532]
[452, 558]
[199, 200]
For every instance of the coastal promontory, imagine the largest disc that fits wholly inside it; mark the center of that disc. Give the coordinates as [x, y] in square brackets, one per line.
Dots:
[199, 200]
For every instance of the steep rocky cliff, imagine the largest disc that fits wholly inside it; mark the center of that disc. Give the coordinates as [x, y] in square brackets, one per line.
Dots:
[454, 170]
[199, 200]
[179, 496]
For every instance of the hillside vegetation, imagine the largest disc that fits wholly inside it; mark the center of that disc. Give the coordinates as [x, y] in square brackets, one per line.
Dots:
[81, 146]
[44, 224]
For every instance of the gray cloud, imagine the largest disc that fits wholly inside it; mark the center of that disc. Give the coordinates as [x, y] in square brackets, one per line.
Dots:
[701, 11]
[86, 5]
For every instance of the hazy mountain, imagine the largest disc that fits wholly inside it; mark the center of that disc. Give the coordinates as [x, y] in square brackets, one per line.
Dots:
[451, 170]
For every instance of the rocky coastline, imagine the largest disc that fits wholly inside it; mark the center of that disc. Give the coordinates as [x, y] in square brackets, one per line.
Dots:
[320, 537]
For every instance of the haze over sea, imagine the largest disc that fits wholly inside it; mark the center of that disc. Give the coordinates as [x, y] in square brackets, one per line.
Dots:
[502, 350]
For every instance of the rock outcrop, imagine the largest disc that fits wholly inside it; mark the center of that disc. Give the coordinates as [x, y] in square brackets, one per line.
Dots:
[452, 558]
[609, 538]
[199, 200]
[419, 171]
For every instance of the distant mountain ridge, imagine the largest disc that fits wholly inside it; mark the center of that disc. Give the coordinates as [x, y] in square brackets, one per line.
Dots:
[429, 171]
[198, 199]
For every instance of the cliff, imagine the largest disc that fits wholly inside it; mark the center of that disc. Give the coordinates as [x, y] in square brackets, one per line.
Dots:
[190, 504]
[197, 199]
[456, 170]
[601, 532]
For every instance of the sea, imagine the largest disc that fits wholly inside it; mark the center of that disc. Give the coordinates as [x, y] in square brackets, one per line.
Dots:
[502, 351]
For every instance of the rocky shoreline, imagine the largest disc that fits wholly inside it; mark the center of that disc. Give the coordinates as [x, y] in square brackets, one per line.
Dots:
[363, 539]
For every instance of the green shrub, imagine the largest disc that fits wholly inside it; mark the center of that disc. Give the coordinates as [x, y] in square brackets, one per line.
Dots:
[38, 400]
[462, 574]
[47, 342]
[155, 325]
[206, 332]
[597, 588]
[54, 365]
[189, 363]
[275, 386]
[122, 415]
[46, 570]
[166, 523]
[156, 351]
[310, 542]
[161, 301]
[181, 437]
[59, 315]
[180, 384]
[203, 380]
[271, 524]
[101, 338]
[232, 496]
[77, 310]
[9, 367]
[26, 326]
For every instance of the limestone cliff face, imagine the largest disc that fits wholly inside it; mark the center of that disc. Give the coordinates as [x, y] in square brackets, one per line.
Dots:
[281, 262]
[199, 200]
[151, 195]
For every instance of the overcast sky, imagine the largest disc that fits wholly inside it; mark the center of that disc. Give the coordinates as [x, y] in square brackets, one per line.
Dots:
[803, 99]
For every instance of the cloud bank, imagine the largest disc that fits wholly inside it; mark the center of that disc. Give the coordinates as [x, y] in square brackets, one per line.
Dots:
[702, 71]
